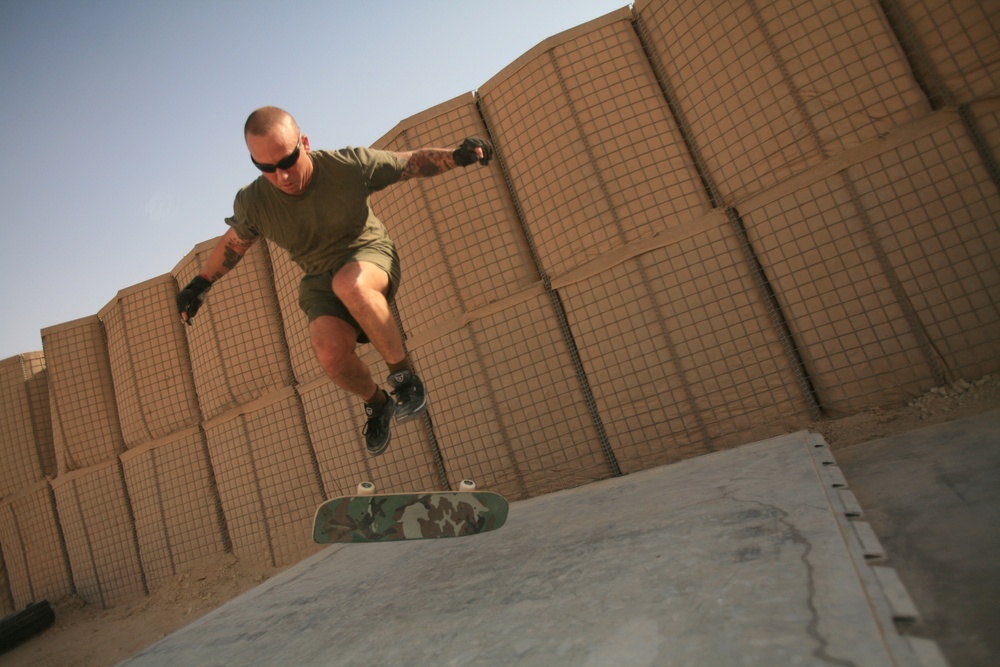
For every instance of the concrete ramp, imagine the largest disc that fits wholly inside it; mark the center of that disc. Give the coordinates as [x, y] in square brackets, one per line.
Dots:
[753, 556]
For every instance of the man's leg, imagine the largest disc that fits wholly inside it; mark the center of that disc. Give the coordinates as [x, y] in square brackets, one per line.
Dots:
[335, 342]
[362, 287]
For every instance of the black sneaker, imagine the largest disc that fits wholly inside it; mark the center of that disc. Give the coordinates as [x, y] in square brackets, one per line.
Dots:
[376, 430]
[409, 393]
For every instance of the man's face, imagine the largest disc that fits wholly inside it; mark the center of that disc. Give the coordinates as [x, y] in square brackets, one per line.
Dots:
[274, 154]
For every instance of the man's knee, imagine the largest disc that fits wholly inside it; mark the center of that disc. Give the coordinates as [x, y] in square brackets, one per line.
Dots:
[358, 282]
[333, 340]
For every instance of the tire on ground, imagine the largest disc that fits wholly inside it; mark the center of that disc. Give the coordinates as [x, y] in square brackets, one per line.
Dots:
[25, 624]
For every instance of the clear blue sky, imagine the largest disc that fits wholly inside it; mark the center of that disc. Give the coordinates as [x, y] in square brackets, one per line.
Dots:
[121, 121]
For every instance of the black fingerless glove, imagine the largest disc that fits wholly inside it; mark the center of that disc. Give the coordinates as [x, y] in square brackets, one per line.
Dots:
[466, 153]
[190, 298]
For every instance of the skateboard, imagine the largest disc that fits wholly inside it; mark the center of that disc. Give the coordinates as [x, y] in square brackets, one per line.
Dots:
[371, 517]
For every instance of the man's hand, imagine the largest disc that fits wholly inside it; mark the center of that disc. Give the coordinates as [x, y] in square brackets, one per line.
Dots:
[473, 150]
[190, 298]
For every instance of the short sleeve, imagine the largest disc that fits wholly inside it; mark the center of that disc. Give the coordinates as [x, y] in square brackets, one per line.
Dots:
[240, 220]
[380, 168]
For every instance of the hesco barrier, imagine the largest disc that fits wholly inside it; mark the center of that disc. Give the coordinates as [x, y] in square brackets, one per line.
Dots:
[705, 224]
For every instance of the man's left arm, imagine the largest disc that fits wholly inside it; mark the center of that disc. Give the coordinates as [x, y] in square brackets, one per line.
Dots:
[425, 162]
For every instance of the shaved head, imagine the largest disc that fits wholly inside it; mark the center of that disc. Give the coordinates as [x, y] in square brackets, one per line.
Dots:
[265, 119]
[279, 149]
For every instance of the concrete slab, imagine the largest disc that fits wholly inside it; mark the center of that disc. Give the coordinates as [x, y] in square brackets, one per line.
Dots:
[932, 496]
[743, 557]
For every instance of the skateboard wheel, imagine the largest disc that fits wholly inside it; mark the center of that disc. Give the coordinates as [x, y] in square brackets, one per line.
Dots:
[366, 489]
[466, 485]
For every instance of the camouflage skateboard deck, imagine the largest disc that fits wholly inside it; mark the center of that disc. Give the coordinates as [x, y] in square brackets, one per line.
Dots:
[408, 516]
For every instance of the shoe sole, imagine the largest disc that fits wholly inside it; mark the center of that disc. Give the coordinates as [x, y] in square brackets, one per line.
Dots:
[403, 418]
[376, 452]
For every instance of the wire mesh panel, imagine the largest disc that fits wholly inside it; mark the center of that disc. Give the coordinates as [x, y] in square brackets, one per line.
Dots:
[681, 351]
[287, 276]
[6, 599]
[852, 331]
[592, 152]
[457, 235]
[33, 547]
[266, 477]
[20, 456]
[843, 65]
[100, 535]
[934, 208]
[888, 270]
[769, 89]
[953, 46]
[475, 443]
[83, 395]
[174, 502]
[36, 383]
[527, 370]
[149, 362]
[334, 419]
[238, 350]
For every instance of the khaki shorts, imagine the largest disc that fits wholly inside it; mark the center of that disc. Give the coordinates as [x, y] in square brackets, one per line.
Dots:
[316, 295]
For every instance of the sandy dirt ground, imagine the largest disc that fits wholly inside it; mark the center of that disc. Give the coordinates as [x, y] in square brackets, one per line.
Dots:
[87, 636]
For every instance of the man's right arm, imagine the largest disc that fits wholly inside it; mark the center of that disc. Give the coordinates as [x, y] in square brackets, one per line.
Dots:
[426, 162]
[226, 254]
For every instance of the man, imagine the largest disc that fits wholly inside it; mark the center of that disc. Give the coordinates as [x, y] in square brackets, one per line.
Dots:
[315, 205]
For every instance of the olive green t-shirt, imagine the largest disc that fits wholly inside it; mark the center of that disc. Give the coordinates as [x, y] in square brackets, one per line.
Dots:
[332, 219]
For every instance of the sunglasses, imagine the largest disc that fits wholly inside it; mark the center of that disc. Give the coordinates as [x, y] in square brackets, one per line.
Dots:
[284, 164]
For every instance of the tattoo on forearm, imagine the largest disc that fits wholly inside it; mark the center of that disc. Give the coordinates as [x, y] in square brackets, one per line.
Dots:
[232, 257]
[233, 252]
[427, 162]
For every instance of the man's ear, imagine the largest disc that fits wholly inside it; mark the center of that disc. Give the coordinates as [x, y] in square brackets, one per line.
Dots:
[305, 143]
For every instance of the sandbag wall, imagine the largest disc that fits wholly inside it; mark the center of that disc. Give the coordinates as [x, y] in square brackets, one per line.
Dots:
[168, 477]
[863, 205]
[258, 446]
[706, 224]
[91, 497]
[721, 231]
[34, 560]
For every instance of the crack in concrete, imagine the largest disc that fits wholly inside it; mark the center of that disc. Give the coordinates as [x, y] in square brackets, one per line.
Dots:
[812, 629]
